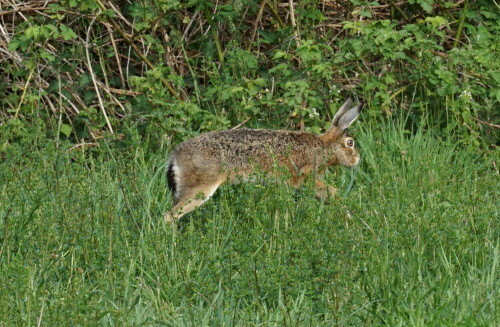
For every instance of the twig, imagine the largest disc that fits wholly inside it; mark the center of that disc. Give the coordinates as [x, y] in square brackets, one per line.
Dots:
[118, 62]
[394, 5]
[461, 23]
[25, 9]
[275, 14]
[188, 27]
[256, 23]
[108, 91]
[220, 53]
[72, 105]
[123, 92]
[242, 123]
[193, 74]
[76, 146]
[24, 92]
[486, 123]
[294, 23]
[94, 80]
[119, 14]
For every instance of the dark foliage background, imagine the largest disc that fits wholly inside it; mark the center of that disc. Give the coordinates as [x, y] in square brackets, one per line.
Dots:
[80, 69]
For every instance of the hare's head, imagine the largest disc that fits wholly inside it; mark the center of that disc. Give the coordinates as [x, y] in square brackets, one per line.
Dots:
[340, 146]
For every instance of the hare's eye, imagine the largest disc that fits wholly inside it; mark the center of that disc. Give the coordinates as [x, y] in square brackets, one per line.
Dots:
[350, 143]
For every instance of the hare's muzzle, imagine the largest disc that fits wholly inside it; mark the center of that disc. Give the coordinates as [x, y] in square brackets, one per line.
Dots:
[356, 161]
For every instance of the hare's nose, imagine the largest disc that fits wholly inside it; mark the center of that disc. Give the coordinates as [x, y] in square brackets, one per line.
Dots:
[356, 161]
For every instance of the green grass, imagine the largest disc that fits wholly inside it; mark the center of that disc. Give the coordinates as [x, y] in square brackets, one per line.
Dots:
[413, 240]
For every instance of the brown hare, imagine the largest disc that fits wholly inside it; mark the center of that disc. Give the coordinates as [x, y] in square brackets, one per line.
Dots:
[198, 166]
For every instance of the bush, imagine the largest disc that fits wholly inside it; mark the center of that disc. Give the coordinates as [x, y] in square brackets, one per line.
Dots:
[78, 68]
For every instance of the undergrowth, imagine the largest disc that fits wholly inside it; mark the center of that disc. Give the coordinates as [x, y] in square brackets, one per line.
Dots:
[76, 69]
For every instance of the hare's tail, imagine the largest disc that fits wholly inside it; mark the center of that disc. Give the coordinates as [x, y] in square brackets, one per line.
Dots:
[173, 177]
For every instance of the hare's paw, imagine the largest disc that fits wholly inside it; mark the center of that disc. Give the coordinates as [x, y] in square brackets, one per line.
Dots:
[325, 192]
[169, 217]
[331, 191]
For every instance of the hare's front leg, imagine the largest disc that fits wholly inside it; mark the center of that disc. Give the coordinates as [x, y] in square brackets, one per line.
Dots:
[323, 190]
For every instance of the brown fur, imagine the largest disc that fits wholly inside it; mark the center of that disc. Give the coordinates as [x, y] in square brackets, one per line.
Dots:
[200, 165]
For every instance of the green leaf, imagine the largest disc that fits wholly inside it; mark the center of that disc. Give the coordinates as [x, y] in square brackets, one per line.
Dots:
[67, 33]
[13, 45]
[389, 78]
[280, 54]
[109, 13]
[47, 55]
[496, 94]
[436, 21]
[66, 129]
[425, 4]
[85, 80]
[50, 28]
[495, 76]
[32, 32]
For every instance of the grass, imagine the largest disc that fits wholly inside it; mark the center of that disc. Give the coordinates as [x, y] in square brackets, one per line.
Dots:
[414, 242]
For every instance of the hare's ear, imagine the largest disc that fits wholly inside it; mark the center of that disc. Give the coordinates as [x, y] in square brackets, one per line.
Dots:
[349, 117]
[341, 111]
[342, 120]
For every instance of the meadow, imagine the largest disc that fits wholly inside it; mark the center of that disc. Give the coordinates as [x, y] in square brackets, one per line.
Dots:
[94, 95]
[411, 240]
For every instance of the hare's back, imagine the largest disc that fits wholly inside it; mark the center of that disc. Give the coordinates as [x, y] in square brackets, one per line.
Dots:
[239, 145]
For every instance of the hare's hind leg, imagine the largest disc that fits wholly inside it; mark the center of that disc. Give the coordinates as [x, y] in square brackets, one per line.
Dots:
[191, 198]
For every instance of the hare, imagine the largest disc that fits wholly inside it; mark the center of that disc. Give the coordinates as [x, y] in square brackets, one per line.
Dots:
[198, 166]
